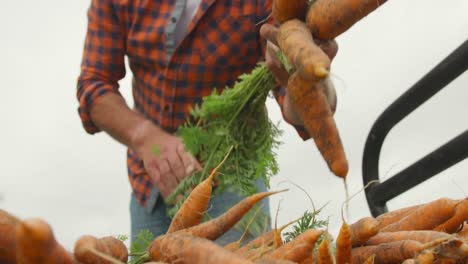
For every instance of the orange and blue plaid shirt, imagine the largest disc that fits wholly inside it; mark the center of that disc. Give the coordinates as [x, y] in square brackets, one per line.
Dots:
[221, 43]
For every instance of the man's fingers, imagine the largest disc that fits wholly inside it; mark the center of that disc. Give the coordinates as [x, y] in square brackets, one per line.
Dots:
[177, 166]
[270, 33]
[168, 178]
[190, 163]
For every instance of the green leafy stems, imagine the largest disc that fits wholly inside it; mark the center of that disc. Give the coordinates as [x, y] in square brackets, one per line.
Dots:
[235, 117]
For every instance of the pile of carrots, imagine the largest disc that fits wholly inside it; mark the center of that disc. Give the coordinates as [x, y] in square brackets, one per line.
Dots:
[302, 24]
[435, 232]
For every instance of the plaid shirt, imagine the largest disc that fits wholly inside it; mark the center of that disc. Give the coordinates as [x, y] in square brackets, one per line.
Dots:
[222, 42]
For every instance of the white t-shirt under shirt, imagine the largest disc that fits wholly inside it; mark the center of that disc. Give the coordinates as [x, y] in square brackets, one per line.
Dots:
[191, 7]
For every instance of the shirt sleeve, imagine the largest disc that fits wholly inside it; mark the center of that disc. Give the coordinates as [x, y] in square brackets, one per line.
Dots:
[264, 15]
[102, 64]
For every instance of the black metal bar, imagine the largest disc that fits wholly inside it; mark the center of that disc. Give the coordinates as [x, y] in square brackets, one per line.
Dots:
[440, 76]
[440, 159]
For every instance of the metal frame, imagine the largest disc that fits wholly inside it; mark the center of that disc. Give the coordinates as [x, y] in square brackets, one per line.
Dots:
[379, 193]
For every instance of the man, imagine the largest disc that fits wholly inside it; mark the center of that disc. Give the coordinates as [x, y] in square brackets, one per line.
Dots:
[177, 51]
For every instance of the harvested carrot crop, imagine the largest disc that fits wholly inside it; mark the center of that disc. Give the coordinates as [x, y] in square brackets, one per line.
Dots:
[395, 215]
[298, 249]
[309, 259]
[295, 40]
[328, 19]
[426, 217]
[369, 260]
[216, 227]
[318, 121]
[284, 10]
[194, 207]
[7, 238]
[343, 245]
[422, 236]
[392, 252]
[36, 244]
[363, 230]
[454, 223]
[182, 248]
[324, 255]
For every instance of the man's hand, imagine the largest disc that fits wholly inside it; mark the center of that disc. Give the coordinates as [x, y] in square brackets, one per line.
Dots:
[330, 48]
[170, 164]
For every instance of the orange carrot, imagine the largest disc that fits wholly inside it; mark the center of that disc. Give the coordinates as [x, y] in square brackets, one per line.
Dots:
[308, 260]
[216, 227]
[297, 44]
[182, 248]
[284, 10]
[343, 245]
[454, 223]
[36, 243]
[297, 249]
[328, 19]
[324, 255]
[425, 217]
[425, 257]
[445, 261]
[274, 261]
[395, 215]
[194, 207]
[106, 250]
[7, 237]
[422, 236]
[370, 259]
[392, 252]
[452, 248]
[312, 106]
[362, 230]
[464, 231]
[270, 238]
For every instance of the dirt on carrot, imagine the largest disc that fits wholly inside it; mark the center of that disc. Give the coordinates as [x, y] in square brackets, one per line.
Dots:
[362, 230]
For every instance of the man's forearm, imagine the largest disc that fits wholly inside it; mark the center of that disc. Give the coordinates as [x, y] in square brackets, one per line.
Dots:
[112, 115]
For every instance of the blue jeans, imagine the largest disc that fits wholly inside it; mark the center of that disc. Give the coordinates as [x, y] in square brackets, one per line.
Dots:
[154, 217]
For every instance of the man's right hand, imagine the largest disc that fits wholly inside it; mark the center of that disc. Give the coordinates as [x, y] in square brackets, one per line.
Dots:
[172, 162]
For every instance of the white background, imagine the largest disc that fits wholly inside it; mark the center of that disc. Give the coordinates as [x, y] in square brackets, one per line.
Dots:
[50, 168]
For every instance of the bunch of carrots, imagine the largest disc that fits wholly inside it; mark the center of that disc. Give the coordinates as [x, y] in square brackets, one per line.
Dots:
[302, 23]
[435, 232]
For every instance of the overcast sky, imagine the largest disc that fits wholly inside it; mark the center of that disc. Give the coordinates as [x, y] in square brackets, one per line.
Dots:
[50, 168]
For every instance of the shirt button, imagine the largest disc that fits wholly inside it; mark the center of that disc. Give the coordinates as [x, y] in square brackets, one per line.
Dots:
[173, 19]
[167, 107]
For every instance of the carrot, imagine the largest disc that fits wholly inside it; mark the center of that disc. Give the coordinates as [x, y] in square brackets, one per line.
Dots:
[425, 257]
[370, 259]
[324, 255]
[456, 221]
[395, 215]
[216, 227]
[284, 10]
[328, 19]
[269, 238]
[298, 249]
[182, 248]
[422, 236]
[308, 260]
[392, 252]
[314, 110]
[106, 250]
[274, 261]
[453, 248]
[194, 207]
[36, 243]
[425, 217]
[464, 231]
[445, 261]
[295, 40]
[343, 245]
[362, 230]
[8, 237]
